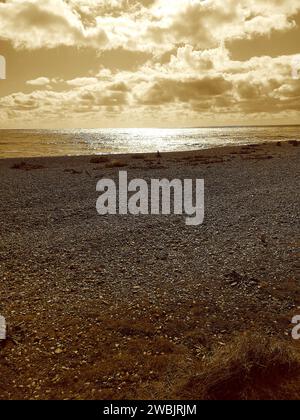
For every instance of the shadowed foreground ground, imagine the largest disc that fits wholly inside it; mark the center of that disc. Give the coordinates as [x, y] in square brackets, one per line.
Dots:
[146, 307]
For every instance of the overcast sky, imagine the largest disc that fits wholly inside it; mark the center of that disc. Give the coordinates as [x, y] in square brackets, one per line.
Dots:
[165, 63]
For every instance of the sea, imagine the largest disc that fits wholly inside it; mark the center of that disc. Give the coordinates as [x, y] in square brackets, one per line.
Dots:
[76, 142]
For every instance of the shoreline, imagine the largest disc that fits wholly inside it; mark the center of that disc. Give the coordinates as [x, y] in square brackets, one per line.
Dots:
[220, 150]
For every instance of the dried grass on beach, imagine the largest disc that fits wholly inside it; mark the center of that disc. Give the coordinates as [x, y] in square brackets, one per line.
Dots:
[252, 367]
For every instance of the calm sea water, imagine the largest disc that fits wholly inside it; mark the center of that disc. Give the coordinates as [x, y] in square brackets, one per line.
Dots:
[33, 143]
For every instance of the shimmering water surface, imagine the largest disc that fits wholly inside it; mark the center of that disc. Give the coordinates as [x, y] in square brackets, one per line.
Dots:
[33, 143]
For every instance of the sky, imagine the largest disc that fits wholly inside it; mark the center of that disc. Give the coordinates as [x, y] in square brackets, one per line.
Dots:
[149, 63]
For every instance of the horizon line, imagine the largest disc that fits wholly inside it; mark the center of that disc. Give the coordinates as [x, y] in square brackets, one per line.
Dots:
[158, 128]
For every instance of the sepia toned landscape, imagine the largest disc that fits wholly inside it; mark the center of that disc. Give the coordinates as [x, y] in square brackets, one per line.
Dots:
[144, 307]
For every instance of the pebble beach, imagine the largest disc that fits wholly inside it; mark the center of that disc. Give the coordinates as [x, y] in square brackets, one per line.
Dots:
[130, 307]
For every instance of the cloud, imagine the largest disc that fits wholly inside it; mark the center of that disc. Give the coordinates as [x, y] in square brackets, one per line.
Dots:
[188, 90]
[35, 24]
[82, 81]
[187, 71]
[140, 25]
[192, 81]
[40, 81]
